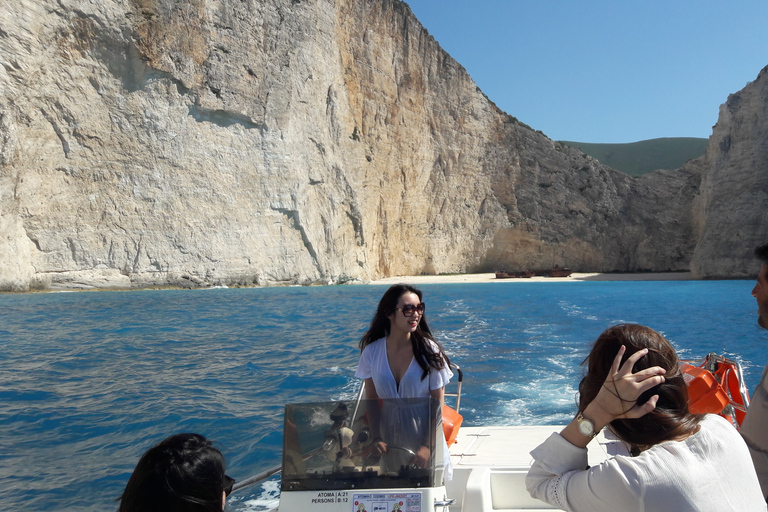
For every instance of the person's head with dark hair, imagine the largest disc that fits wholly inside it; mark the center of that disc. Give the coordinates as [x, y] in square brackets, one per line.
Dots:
[670, 419]
[380, 325]
[761, 252]
[760, 291]
[403, 303]
[183, 473]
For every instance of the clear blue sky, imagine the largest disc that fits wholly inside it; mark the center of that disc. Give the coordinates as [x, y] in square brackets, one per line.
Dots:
[605, 70]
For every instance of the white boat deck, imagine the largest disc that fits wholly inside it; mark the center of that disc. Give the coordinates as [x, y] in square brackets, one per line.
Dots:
[490, 464]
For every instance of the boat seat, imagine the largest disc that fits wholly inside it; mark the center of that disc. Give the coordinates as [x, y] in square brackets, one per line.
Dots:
[499, 490]
[490, 465]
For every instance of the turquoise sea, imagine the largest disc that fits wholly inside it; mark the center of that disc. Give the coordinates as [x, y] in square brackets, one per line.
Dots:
[90, 380]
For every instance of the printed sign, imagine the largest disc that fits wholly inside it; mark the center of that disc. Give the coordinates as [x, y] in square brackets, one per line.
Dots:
[387, 502]
[331, 497]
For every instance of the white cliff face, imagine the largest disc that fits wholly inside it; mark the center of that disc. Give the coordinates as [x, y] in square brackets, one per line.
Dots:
[733, 208]
[169, 142]
[152, 163]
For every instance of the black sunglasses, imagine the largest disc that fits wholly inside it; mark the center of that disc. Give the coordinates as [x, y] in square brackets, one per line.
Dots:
[228, 483]
[409, 309]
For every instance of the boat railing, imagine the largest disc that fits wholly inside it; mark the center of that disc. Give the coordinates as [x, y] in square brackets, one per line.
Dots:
[268, 473]
[257, 478]
[457, 394]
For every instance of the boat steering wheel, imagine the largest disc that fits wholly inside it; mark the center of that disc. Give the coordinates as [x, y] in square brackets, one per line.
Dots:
[392, 447]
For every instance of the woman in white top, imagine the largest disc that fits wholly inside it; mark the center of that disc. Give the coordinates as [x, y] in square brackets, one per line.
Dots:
[679, 461]
[400, 360]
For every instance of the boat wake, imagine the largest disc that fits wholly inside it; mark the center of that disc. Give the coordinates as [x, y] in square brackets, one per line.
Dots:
[268, 499]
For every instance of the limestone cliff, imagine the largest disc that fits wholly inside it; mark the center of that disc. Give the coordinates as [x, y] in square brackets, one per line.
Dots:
[199, 142]
[732, 212]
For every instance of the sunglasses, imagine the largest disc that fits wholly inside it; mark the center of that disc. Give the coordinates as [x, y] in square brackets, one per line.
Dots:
[228, 483]
[410, 309]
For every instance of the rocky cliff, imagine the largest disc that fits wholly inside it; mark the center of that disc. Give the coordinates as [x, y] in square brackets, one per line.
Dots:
[732, 211]
[200, 142]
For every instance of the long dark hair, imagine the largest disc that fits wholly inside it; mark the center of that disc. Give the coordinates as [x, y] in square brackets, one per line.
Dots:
[422, 350]
[671, 418]
[183, 473]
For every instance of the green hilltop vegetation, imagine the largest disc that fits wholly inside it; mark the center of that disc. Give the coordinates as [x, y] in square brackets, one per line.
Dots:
[638, 158]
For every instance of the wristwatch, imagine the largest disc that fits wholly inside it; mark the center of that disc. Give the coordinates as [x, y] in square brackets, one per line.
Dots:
[586, 426]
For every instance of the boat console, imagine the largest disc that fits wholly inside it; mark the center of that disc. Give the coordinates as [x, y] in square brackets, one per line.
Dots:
[330, 464]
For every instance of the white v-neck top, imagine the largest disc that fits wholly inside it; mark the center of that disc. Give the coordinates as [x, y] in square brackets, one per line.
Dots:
[401, 421]
[374, 363]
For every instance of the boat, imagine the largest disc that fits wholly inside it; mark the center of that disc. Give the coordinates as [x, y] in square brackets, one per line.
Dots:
[559, 272]
[509, 275]
[328, 464]
[555, 271]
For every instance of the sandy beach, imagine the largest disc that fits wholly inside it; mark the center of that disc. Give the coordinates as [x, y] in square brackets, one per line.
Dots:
[575, 277]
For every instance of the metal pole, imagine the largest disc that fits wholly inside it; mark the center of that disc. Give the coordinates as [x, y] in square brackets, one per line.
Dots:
[256, 478]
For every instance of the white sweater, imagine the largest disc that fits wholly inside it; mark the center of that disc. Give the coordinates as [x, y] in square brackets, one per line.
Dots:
[711, 470]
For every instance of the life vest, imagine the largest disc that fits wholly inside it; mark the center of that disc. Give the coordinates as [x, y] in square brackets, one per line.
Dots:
[716, 385]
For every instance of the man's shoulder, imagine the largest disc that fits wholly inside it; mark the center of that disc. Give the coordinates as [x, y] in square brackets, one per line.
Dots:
[763, 385]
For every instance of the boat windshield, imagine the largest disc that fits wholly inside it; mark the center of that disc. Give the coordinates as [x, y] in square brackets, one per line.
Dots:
[330, 445]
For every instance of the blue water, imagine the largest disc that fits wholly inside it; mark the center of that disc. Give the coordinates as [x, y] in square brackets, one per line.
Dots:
[90, 380]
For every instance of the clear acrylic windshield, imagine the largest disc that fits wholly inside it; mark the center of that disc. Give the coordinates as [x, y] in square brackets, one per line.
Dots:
[329, 445]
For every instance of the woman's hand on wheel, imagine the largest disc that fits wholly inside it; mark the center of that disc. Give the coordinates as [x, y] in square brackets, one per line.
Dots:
[378, 446]
[421, 458]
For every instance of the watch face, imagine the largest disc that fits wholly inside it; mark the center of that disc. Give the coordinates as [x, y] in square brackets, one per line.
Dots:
[586, 427]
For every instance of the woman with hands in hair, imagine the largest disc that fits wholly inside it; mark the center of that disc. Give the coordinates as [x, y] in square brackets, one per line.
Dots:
[676, 460]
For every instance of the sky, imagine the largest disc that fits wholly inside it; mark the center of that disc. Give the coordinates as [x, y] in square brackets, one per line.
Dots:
[605, 71]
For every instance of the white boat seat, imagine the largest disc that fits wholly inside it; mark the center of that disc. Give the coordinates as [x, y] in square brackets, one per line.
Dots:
[490, 465]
